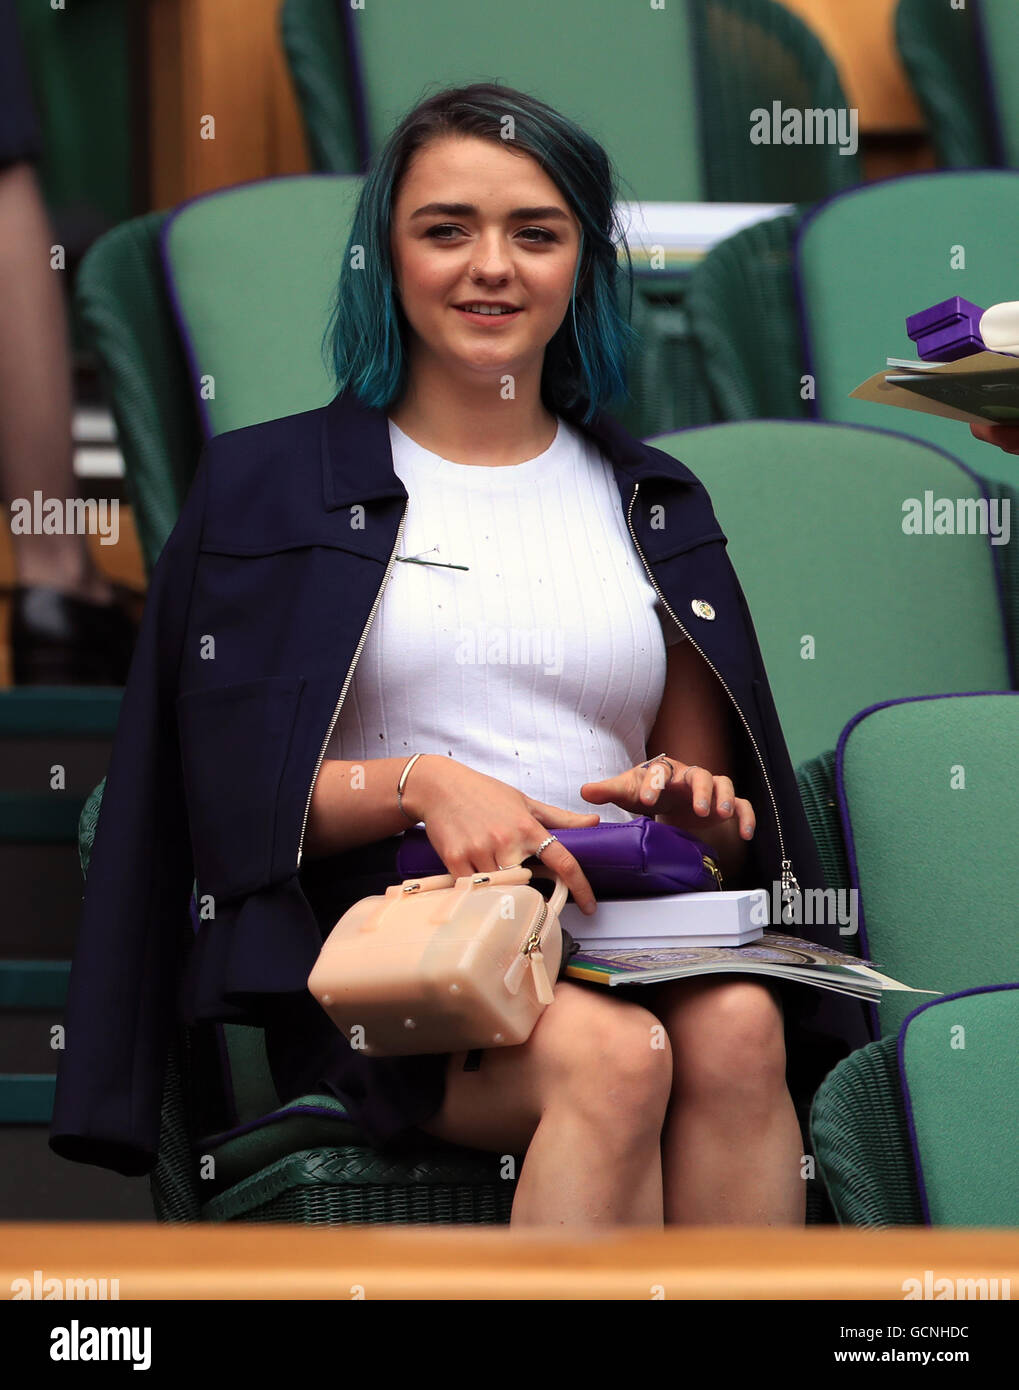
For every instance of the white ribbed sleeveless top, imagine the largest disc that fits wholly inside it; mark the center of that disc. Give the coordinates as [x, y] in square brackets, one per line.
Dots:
[542, 663]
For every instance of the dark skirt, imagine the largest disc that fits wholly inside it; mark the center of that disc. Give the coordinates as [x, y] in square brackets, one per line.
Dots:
[20, 133]
[386, 1097]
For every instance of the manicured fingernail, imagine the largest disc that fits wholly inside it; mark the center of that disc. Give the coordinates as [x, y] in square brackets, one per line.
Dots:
[702, 805]
[726, 805]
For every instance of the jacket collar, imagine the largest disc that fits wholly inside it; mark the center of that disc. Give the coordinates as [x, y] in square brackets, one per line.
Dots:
[357, 461]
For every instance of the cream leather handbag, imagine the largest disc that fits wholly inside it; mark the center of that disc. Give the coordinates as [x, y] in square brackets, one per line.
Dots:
[441, 964]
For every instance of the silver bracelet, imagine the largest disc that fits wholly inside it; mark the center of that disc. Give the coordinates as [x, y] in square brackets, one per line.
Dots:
[400, 786]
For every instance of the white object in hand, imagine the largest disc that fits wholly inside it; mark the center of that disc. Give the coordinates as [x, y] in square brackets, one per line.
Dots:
[999, 328]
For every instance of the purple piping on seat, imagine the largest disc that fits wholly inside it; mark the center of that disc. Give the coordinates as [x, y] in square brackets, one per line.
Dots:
[904, 1084]
[847, 826]
[989, 84]
[176, 310]
[355, 69]
[999, 585]
[213, 1141]
[800, 231]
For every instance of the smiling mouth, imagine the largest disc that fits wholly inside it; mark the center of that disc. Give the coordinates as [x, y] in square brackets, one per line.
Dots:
[498, 316]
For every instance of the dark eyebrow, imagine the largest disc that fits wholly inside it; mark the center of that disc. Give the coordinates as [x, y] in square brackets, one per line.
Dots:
[469, 210]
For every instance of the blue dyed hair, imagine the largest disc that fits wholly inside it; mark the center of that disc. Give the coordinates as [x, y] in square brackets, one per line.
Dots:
[585, 360]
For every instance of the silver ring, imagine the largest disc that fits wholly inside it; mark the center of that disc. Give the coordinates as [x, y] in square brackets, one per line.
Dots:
[544, 845]
[507, 866]
[662, 758]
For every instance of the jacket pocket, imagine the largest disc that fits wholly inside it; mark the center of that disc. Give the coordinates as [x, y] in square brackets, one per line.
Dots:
[234, 742]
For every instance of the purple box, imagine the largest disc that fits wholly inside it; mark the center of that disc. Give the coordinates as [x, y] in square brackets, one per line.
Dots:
[947, 331]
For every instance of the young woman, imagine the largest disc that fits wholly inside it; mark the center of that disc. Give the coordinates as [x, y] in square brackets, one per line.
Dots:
[367, 572]
[495, 266]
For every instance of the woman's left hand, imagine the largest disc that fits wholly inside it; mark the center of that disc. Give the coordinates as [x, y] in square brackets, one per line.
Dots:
[650, 791]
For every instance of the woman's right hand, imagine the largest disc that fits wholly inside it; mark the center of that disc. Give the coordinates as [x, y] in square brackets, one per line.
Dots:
[1005, 436]
[475, 823]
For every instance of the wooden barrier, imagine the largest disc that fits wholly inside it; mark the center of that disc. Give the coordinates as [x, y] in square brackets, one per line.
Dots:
[152, 1261]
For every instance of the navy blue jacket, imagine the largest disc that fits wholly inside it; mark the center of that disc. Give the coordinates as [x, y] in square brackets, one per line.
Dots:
[256, 612]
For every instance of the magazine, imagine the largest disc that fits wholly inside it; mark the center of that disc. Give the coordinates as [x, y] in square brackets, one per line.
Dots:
[979, 388]
[775, 954]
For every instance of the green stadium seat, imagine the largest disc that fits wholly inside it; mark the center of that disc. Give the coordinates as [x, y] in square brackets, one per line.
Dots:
[869, 258]
[940, 48]
[704, 65]
[813, 515]
[930, 848]
[961, 63]
[743, 320]
[287, 237]
[124, 310]
[792, 314]
[960, 1068]
[919, 1128]
[997, 24]
[931, 831]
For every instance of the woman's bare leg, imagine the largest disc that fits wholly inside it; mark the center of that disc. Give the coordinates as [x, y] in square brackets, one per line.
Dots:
[731, 1145]
[36, 450]
[584, 1099]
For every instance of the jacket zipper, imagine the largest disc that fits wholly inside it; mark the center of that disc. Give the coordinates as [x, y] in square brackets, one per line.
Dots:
[346, 683]
[789, 880]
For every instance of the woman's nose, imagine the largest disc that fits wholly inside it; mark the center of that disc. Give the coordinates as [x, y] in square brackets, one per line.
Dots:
[491, 260]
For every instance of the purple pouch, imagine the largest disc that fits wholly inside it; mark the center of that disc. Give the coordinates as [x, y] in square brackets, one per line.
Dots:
[641, 858]
[947, 331]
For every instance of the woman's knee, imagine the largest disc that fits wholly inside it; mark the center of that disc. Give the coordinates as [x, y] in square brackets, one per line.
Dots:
[726, 1035]
[606, 1056]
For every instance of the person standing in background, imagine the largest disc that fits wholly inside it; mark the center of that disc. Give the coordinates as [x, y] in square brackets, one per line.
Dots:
[68, 625]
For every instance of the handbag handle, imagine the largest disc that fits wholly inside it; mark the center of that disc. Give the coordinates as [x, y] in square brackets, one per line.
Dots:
[561, 892]
[518, 874]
